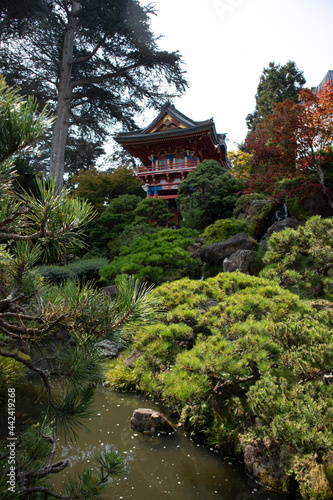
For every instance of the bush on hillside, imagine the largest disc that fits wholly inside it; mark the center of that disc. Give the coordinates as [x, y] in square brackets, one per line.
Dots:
[156, 257]
[223, 229]
[85, 269]
[104, 232]
[207, 194]
[302, 258]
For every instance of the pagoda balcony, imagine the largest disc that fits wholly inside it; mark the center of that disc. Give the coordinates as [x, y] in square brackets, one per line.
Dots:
[186, 166]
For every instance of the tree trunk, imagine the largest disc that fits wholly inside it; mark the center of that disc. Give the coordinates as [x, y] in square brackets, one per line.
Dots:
[60, 128]
[322, 182]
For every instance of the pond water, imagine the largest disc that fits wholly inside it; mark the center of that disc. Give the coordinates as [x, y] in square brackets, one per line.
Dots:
[159, 467]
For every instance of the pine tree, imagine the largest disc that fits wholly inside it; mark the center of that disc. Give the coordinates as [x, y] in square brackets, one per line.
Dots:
[32, 312]
[276, 84]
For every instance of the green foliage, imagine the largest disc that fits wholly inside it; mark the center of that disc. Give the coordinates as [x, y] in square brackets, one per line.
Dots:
[33, 312]
[156, 257]
[233, 346]
[118, 377]
[93, 481]
[223, 229]
[207, 194]
[102, 188]
[153, 211]
[244, 203]
[289, 413]
[20, 125]
[86, 269]
[11, 372]
[302, 258]
[53, 218]
[33, 57]
[276, 84]
[105, 231]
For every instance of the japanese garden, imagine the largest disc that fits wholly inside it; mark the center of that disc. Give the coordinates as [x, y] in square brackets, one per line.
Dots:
[195, 278]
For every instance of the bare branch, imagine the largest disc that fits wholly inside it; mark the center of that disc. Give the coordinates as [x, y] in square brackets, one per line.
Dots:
[46, 491]
[77, 60]
[106, 76]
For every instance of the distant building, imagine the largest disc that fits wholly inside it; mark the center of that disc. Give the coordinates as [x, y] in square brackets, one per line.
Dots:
[170, 148]
[327, 78]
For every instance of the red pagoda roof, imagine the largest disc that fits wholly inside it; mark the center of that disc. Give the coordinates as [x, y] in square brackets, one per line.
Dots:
[172, 130]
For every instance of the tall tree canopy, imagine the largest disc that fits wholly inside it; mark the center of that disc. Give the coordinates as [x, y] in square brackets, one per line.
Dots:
[273, 144]
[99, 188]
[96, 60]
[276, 84]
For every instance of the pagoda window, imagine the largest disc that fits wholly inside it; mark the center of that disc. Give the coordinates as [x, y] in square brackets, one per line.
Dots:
[163, 163]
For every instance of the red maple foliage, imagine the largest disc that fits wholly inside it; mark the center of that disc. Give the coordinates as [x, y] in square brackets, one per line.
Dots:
[293, 141]
[274, 142]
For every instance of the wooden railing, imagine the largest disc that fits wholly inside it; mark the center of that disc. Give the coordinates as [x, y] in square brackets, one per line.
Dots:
[190, 164]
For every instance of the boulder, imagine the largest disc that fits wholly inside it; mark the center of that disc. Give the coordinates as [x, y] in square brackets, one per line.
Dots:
[108, 348]
[150, 422]
[243, 261]
[262, 460]
[129, 361]
[110, 291]
[279, 225]
[215, 253]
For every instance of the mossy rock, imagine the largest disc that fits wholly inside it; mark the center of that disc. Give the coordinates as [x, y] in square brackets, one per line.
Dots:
[312, 480]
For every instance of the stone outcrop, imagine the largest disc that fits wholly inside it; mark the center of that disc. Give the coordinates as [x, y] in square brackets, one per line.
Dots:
[150, 422]
[279, 225]
[129, 361]
[108, 348]
[262, 460]
[215, 253]
[243, 261]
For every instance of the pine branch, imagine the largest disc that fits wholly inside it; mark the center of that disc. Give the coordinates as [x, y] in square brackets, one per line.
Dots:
[32, 367]
[47, 492]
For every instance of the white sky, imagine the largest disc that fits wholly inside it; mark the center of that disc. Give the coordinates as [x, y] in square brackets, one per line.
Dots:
[226, 44]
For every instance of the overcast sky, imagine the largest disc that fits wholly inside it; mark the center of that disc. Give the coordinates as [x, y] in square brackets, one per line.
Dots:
[227, 43]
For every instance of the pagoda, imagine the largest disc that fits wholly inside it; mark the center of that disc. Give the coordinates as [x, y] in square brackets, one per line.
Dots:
[170, 148]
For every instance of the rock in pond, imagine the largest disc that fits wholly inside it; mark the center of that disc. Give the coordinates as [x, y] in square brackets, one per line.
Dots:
[150, 422]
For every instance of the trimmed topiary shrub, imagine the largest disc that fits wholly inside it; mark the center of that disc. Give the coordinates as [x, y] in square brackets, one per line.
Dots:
[87, 269]
[156, 257]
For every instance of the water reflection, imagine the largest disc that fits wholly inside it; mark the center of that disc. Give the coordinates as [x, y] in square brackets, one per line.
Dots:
[172, 467]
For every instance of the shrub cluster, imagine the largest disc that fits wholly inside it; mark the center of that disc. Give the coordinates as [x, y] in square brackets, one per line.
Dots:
[240, 359]
[302, 258]
[223, 229]
[156, 257]
[87, 269]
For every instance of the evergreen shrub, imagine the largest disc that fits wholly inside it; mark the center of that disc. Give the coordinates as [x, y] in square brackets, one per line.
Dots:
[156, 257]
[87, 269]
[302, 258]
[223, 229]
[241, 359]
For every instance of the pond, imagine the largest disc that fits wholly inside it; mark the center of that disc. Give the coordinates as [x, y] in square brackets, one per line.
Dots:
[166, 466]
